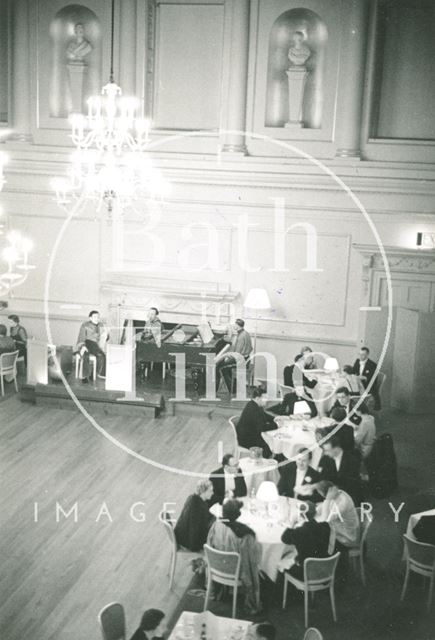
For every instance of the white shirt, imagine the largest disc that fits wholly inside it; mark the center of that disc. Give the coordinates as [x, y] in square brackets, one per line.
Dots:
[300, 476]
[337, 461]
[230, 482]
[362, 364]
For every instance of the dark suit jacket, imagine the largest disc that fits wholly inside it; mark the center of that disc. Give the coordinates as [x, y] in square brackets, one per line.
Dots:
[193, 523]
[218, 481]
[251, 423]
[424, 530]
[368, 371]
[288, 479]
[347, 478]
[311, 540]
[288, 378]
[139, 635]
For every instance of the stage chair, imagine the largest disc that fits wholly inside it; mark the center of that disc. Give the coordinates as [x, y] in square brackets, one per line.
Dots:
[112, 622]
[313, 634]
[420, 558]
[239, 452]
[79, 365]
[8, 367]
[358, 552]
[319, 574]
[166, 520]
[222, 567]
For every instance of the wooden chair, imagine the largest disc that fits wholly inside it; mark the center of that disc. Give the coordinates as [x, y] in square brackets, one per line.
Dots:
[319, 574]
[222, 567]
[239, 452]
[167, 522]
[112, 622]
[420, 558]
[8, 367]
[79, 365]
[312, 634]
[358, 552]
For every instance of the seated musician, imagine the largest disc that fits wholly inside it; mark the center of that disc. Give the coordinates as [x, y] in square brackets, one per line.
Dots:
[92, 336]
[240, 341]
[19, 336]
[153, 326]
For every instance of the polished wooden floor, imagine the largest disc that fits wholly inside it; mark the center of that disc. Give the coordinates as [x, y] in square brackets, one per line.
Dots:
[56, 576]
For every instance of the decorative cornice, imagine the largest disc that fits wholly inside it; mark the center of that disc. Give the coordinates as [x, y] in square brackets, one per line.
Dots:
[403, 259]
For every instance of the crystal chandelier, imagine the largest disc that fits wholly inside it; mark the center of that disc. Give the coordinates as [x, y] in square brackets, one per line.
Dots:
[110, 165]
[15, 253]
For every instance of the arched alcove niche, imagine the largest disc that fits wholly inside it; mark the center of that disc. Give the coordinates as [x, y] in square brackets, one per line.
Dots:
[281, 40]
[74, 76]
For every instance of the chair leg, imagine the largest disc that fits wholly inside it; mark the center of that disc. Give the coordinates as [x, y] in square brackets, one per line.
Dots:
[306, 607]
[429, 598]
[2, 384]
[163, 370]
[405, 583]
[207, 592]
[284, 596]
[15, 381]
[363, 571]
[332, 596]
[234, 600]
[172, 571]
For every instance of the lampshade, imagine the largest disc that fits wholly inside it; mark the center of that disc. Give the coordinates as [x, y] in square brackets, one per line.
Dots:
[267, 491]
[257, 299]
[301, 407]
[331, 364]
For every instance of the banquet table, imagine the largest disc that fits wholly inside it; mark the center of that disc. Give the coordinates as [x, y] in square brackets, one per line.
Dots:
[414, 518]
[292, 434]
[269, 525]
[189, 625]
[256, 471]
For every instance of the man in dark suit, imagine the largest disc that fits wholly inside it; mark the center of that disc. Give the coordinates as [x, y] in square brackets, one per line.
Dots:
[227, 481]
[298, 473]
[341, 467]
[365, 369]
[311, 540]
[152, 625]
[253, 421]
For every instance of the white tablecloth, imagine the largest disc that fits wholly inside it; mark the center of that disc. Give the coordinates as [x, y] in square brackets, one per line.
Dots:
[414, 518]
[268, 529]
[257, 471]
[188, 627]
[294, 434]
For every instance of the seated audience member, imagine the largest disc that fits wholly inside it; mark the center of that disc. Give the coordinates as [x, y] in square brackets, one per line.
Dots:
[7, 344]
[240, 341]
[230, 535]
[152, 625]
[343, 399]
[19, 336]
[424, 530]
[346, 431]
[91, 336]
[310, 539]
[297, 473]
[228, 480]
[253, 421]
[364, 430]
[365, 369]
[194, 521]
[341, 467]
[294, 377]
[338, 509]
[350, 380]
[309, 361]
[261, 631]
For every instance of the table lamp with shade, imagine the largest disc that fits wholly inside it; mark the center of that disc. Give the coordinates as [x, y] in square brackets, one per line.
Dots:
[257, 299]
[301, 407]
[331, 365]
[268, 493]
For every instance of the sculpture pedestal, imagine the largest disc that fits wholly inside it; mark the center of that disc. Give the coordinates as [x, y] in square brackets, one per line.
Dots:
[77, 71]
[297, 77]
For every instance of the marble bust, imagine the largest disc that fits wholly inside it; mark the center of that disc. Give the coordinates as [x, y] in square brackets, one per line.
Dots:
[79, 47]
[299, 53]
